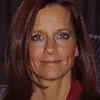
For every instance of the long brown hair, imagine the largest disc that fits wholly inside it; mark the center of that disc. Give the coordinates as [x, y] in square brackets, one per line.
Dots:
[21, 85]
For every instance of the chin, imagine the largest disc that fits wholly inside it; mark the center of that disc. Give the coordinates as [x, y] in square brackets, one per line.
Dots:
[52, 76]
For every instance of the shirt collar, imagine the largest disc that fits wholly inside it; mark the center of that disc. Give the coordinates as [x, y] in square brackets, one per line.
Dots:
[75, 90]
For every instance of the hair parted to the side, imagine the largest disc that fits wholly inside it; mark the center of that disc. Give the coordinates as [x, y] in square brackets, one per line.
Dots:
[21, 85]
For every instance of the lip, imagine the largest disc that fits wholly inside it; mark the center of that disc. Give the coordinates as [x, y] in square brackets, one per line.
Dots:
[51, 61]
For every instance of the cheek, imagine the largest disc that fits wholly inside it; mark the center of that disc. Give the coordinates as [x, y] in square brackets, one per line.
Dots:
[67, 52]
[67, 49]
[35, 52]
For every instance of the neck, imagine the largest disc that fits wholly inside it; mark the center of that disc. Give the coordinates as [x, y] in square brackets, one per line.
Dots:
[57, 89]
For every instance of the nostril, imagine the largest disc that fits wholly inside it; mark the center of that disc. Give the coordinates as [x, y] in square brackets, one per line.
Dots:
[50, 46]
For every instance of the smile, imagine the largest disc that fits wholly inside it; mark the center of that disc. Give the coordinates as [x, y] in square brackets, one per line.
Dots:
[51, 61]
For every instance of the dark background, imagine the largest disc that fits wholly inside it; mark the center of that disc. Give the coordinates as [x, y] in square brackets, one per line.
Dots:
[90, 10]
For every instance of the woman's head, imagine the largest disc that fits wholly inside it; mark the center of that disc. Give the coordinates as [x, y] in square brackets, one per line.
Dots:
[63, 38]
[53, 46]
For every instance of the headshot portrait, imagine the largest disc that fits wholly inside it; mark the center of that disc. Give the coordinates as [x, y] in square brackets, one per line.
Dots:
[48, 53]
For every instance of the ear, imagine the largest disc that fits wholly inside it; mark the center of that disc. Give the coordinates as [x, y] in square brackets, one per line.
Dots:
[76, 51]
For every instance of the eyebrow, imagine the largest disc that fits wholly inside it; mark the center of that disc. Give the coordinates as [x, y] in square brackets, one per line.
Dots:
[64, 29]
[58, 30]
[37, 31]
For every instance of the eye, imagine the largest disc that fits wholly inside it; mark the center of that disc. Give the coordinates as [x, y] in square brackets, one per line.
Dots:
[37, 37]
[63, 36]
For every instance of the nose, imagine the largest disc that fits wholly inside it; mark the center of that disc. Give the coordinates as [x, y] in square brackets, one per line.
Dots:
[50, 47]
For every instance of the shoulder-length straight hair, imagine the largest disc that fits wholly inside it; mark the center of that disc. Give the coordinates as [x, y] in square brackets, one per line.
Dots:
[21, 85]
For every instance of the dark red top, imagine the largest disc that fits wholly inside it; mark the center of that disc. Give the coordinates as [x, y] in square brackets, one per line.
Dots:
[75, 91]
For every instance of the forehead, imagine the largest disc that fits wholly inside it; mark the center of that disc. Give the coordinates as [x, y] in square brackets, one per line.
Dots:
[54, 8]
[53, 16]
[55, 11]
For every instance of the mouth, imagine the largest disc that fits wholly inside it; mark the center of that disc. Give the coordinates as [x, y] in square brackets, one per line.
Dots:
[51, 61]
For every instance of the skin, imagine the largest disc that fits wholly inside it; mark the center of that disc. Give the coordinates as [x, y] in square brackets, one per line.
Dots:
[52, 51]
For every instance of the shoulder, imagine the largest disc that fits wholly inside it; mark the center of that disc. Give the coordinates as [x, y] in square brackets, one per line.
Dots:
[90, 97]
[94, 98]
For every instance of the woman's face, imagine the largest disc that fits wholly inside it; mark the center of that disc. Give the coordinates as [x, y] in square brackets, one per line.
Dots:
[52, 48]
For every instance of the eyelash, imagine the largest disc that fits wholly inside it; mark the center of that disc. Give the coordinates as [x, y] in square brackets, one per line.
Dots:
[61, 36]
[37, 37]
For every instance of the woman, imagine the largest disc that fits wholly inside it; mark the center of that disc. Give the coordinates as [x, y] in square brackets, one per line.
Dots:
[48, 54]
